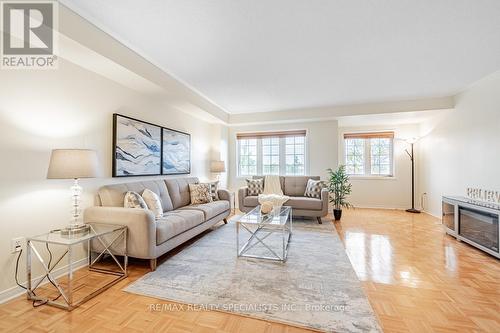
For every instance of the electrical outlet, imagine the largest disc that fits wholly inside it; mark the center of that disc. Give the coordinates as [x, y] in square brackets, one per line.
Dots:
[16, 244]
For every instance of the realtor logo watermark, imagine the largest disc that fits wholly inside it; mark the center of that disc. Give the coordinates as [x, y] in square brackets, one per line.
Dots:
[29, 38]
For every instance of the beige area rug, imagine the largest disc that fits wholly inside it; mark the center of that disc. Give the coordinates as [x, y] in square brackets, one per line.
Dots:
[315, 288]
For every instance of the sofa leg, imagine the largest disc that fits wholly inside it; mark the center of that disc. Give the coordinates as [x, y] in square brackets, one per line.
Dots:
[152, 264]
[225, 221]
[319, 220]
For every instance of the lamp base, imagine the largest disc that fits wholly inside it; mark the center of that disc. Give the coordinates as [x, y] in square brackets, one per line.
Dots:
[413, 210]
[75, 231]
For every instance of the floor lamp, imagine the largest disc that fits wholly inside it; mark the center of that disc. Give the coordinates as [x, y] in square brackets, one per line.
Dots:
[412, 142]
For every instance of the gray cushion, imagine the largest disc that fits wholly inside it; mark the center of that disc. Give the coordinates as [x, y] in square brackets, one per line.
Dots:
[304, 203]
[178, 188]
[251, 201]
[314, 188]
[211, 209]
[113, 195]
[295, 186]
[255, 186]
[176, 222]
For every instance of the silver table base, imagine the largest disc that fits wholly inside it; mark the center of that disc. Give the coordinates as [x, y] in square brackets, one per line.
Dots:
[258, 234]
[66, 301]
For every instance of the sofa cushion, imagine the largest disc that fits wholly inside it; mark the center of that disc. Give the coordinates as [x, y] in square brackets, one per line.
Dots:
[153, 202]
[134, 200]
[255, 186]
[295, 186]
[178, 188]
[200, 193]
[314, 188]
[176, 222]
[211, 209]
[304, 203]
[114, 195]
[251, 201]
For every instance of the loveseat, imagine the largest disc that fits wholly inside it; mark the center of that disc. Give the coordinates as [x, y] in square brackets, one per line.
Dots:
[149, 238]
[294, 187]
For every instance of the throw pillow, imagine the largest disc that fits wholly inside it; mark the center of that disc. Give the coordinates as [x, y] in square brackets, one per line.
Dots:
[313, 188]
[200, 193]
[255, 186]
[134, 200]
[214, 186]
[153, 202]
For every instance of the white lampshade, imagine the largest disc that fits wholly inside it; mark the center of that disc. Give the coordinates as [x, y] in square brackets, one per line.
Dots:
[217, 167]
[73, 164]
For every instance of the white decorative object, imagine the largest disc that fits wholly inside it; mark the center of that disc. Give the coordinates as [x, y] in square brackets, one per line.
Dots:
[266, 207]
[73, 164]
[276, 199]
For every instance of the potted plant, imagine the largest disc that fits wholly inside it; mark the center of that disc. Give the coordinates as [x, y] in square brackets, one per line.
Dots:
[339, 188]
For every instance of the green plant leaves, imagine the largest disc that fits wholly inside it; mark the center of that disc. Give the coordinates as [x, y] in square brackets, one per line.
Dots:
[339, 187]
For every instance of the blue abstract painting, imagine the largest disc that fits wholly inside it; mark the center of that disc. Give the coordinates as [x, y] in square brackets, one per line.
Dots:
[176, 152]
[137, 147]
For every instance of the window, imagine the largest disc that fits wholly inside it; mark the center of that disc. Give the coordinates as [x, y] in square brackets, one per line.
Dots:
[271, 156]
[272, 153]
[294, 155]
[369, 154]
[248, 156]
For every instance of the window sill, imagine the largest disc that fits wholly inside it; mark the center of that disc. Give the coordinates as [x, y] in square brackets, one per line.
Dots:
[353, 177]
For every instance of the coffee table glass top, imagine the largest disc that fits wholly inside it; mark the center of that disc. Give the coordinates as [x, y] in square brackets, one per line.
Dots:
[278, 217]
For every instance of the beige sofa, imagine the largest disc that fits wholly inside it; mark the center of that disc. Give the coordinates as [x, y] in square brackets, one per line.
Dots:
[149, 238]
[294, 187]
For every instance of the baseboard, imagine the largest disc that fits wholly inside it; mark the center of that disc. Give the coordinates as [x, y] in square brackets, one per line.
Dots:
[381, 207]
[8, 294]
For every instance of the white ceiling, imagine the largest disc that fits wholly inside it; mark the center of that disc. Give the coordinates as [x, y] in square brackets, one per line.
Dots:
[255, 56]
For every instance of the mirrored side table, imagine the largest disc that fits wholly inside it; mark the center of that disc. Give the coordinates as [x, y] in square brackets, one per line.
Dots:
[102, 240]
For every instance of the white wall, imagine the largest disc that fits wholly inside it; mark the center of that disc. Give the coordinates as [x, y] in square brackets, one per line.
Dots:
[321, 147]
[383, 192]
[70, 108]
[461, 149]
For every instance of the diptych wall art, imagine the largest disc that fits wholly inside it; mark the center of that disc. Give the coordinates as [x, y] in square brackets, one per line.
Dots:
[144, 149]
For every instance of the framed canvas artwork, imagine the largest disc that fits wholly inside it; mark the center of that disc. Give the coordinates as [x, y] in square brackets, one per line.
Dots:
[136, 147]
[176, 152]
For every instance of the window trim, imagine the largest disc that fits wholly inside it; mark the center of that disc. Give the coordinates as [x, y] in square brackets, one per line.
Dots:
[368, 135]
[282, 136]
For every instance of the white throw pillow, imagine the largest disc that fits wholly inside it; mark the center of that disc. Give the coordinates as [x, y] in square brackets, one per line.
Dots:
[153, 202]
[134, 200]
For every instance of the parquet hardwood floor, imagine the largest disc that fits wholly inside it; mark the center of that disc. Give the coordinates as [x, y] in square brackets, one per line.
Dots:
[416, 278]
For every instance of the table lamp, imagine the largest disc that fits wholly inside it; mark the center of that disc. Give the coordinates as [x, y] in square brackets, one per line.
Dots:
[74, 164]
[217, 167]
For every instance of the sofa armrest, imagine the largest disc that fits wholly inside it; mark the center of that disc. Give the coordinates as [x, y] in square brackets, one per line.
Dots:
[224, 195]
[242, 193]
[325, 196]
[141, 240]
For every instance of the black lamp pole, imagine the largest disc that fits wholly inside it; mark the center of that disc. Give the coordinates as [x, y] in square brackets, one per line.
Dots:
[412, 209]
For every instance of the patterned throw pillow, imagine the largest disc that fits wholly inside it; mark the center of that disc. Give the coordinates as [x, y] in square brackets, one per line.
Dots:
[255, 186]
[200, 193]
[313, 188]
[153, 202]
[134, 200]
[214, 186]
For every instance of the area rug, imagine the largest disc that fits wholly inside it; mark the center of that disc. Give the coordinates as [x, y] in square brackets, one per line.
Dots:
[315, 288]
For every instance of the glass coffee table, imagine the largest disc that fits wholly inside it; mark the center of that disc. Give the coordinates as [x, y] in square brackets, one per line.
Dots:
[270, 232]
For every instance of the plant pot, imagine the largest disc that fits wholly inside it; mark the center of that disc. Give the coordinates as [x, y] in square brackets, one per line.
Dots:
[337, 214]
